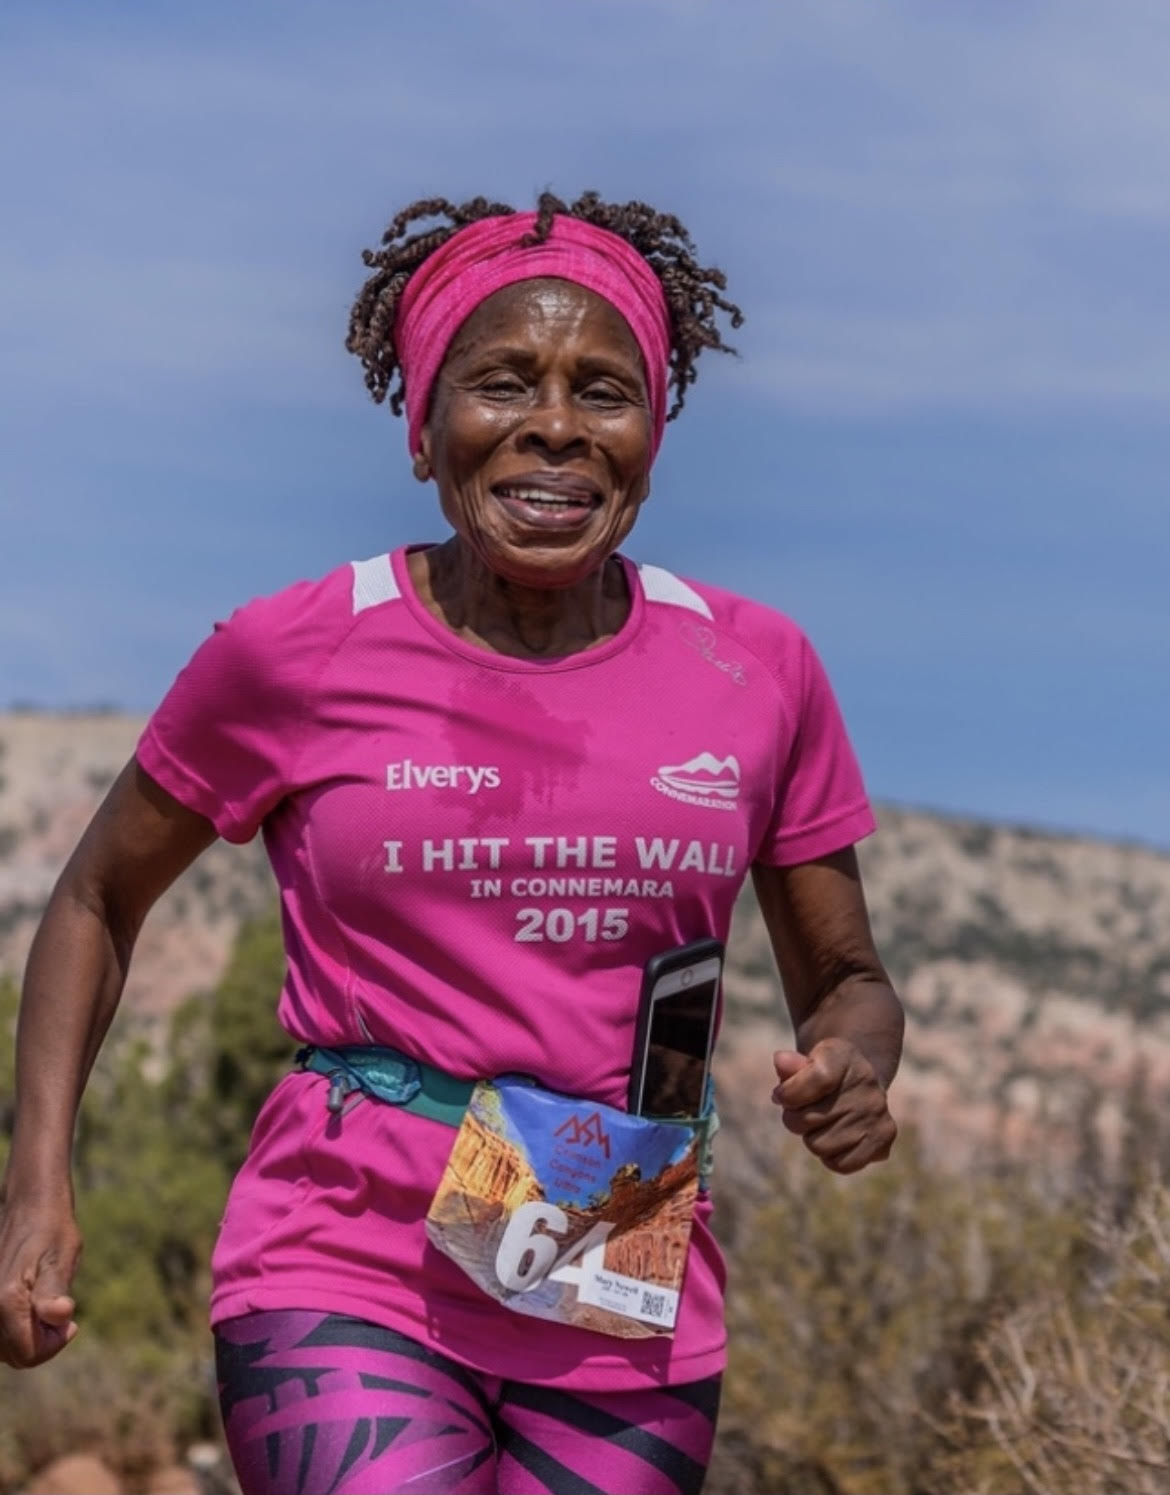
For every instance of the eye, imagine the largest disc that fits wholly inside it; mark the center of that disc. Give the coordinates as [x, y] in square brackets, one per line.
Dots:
[501, 386]
[604, 394]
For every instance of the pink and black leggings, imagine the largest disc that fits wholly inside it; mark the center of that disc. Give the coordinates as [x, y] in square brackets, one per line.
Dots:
[320, 1404]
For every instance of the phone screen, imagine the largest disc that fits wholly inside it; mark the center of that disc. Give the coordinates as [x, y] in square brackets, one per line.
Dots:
[678, 1049]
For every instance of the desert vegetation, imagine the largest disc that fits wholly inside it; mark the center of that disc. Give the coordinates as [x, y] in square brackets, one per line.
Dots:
[999, 1328]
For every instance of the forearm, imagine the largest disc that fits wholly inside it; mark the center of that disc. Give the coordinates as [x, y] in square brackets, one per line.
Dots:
[73, 981]
[867, 1013]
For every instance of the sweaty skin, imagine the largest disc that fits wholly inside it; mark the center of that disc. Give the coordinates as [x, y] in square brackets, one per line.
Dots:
[542, 388]
[139, 841]
[849, 1024]
[539, 443]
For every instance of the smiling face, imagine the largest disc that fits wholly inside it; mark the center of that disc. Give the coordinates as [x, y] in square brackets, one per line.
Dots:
[539, 435]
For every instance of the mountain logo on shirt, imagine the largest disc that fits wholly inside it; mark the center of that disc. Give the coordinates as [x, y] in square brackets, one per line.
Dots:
[703, 780]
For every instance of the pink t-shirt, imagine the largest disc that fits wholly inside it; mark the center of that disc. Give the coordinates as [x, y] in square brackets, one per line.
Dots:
[476, 855]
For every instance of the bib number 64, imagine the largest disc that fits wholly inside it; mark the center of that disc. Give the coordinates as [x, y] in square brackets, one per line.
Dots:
[528, 1254]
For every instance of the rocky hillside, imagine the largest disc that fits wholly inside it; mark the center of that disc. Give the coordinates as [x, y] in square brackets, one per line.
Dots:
[1035, 968]
[54, 771]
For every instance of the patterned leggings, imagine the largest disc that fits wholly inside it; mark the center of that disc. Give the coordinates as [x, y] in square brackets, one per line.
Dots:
[317, 1402]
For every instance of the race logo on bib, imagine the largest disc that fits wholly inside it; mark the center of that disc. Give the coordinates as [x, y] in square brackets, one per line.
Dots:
[568, 1210]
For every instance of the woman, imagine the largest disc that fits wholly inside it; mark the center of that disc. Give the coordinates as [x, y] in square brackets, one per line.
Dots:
[425, 739]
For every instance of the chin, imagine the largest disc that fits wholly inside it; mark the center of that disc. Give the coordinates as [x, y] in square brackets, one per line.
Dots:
[550, 577]
[542, 566]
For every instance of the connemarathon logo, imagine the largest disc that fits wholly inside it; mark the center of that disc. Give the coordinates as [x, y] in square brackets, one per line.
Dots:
[585, 1133]
[408, 775]
[704, 780]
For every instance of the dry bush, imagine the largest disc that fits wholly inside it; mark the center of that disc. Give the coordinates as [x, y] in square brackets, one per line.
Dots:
[130, 1407]
[1077, 1391]
[857, 1310]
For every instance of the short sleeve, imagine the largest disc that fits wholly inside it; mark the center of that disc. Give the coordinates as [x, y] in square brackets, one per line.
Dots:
[821, 803]
[226, 737]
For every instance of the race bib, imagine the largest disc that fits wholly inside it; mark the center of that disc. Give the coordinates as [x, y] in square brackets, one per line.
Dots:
[569, 1210]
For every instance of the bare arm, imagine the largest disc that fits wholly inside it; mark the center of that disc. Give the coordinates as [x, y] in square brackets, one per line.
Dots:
[139, 841]
[847, 1019]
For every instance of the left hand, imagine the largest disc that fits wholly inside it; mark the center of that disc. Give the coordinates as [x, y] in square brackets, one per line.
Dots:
[833, 1099]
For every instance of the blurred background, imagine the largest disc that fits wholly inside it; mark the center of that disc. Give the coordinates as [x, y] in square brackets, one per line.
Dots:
[941, 449]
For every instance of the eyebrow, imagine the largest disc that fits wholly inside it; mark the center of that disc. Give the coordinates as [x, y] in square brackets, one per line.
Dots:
[609, 366]
[526, 358]
[495, 352]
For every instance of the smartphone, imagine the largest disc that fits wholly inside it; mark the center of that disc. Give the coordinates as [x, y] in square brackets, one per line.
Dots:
[676, 1030]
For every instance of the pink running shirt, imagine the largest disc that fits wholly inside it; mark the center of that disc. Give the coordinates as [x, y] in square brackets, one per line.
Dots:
[476, 855]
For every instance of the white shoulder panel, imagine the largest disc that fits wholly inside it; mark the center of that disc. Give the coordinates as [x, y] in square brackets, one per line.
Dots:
[373, 582]
[663, 586]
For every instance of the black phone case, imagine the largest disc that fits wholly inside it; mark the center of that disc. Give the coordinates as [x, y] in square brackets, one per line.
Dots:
[655, 968]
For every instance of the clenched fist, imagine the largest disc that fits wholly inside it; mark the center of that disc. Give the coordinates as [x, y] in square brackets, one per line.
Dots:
[832, 1098]
[39, 1249]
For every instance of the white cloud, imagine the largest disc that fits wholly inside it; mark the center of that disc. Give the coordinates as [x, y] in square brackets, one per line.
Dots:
[912, 360]
[958, 207]
[923, 207]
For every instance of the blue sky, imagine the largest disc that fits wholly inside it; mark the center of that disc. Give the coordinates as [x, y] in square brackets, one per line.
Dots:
[943, 449]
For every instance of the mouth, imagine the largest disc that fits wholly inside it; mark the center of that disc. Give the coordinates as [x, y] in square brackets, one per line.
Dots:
[549, 501]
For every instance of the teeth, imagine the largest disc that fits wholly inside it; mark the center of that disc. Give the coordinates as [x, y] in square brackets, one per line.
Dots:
[539, 496]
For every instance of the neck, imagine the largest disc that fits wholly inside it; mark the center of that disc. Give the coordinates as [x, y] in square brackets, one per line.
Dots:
[509, 618]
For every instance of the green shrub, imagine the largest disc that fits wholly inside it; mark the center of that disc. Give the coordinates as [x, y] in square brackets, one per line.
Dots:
[157, 1143]
[856, 1314]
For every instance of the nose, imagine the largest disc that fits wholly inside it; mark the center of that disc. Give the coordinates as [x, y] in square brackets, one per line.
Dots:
[555, 423]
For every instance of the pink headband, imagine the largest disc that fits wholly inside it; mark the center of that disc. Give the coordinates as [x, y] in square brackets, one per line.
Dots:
[484, 257]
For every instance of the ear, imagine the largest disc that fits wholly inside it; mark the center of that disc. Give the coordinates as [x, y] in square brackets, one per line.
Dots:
[423, 467]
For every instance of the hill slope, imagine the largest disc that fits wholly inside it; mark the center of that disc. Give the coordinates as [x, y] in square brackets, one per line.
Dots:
[1035, 968]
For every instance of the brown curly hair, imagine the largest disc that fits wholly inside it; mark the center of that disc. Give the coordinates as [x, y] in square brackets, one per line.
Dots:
[692, 290]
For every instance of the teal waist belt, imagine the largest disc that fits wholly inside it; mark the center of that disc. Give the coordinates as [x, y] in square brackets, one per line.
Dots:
[395, 1078]
[388, 1076]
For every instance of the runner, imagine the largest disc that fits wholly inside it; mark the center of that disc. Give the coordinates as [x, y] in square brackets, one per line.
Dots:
[495, 776]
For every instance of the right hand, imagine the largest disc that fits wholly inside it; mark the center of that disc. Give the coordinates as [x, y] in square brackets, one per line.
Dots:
[40, 1246]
